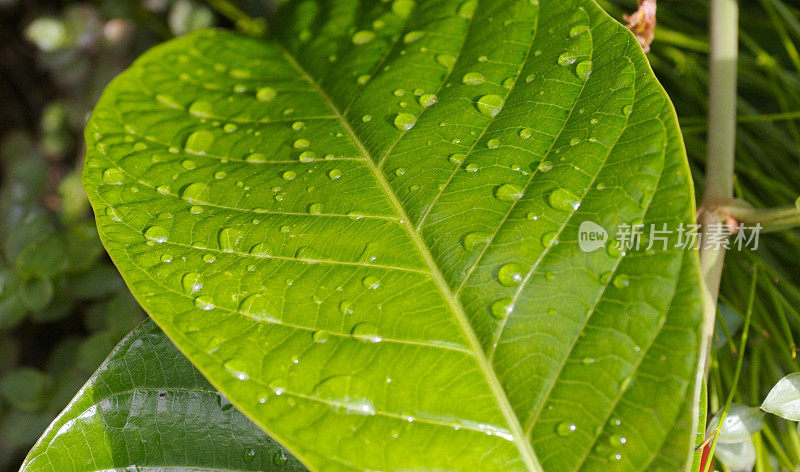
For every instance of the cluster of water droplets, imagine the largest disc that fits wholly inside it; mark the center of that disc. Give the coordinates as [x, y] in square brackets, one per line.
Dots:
[610, 445]
[508, 275]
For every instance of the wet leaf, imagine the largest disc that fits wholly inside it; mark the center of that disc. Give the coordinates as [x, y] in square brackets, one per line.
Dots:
[384, 281]
[147, 408]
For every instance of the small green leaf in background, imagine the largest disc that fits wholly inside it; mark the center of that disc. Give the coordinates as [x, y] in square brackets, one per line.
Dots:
[26, 389]
[43, 258]
[147, 408]
[741, 422]
[364, 230]
[737, 457]
[784, 398]
[36, 293]
[12, 309]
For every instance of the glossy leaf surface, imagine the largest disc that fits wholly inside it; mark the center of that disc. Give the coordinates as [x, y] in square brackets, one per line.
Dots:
[740, 423]
[365, 231]
[784, 398]
[146, 409]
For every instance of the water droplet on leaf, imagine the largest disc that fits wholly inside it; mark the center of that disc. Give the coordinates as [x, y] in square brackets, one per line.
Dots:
[475, 240]
[266, 94]
[549, 239]
[502, 308]
[233, 368]
[201, 109]
[363, 37]
[307, 156]
[113, 176]
[565, 428]
[371, 282]
[229, 238]
[510, 275]
[508, 192]
[345, 307]
[366, 332]
[584, 69]
[158, 234]
[622, 281]
[490, 105]
[564, 200]
[404, 121]
[446, 60]
[428, 100]
[467, 9]
[578, 30]
[473, 78]
[204, 302]
[567, 59]
[403, 8]
[191, 282]
[412, 36]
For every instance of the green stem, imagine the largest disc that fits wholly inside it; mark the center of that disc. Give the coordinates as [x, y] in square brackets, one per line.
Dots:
[719, 162]
[777, 447]
[723, 58]
[693, 121]
[738, 372]
[721, 149]
[771, 219]
[785, 328]
[243, 21]
[719, 166]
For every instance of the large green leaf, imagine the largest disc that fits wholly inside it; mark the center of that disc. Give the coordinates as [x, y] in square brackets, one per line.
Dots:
[364, 231]
[148, 409]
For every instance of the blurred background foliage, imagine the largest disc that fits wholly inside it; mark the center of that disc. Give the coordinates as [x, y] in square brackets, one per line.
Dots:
[63, 306]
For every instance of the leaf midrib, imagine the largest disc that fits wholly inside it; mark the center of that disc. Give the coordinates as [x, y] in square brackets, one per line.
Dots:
[524, 446]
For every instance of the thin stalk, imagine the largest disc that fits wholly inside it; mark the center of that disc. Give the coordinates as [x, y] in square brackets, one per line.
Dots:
[785, 328]
[696, 121]
[770, 219]
[777, 448]
[793, 442]
[728, 337]
[738, 372]
[243, 21]
[762, 457]
[721, 147]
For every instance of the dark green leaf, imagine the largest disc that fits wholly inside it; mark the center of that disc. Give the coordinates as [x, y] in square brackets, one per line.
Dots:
[12, 310]
[44, 258]
[99, 281]
[36, 293]
[147, 408]
[26, 389]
